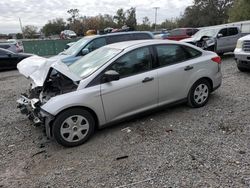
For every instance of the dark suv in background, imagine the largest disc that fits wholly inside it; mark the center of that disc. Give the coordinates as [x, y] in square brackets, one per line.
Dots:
[90, 43]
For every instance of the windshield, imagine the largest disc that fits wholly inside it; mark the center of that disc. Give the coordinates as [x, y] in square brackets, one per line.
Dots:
[93, 61]
[75, 47]
[206, 32]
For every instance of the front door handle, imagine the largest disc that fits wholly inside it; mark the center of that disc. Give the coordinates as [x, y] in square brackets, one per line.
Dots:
[148, 79]
[187, 68]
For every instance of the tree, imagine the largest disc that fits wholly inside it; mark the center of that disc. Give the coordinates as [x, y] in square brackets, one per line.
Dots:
[120, 17]
[169, 24]
[19, 36]
[240, 11]
[74, 15]
[29, 31]
[54, 27]
[145, 26]
[206, 13]
[131, 18]
[105, 21]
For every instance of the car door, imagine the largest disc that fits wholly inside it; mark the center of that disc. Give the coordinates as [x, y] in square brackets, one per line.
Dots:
[222, 41]
[233, 36]
[137, 88]
[176, 65]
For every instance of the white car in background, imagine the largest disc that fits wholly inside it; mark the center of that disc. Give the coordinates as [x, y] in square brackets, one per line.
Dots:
[117, 81]
[242, 53]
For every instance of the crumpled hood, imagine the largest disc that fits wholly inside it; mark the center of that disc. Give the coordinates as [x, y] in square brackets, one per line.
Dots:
[36, 68]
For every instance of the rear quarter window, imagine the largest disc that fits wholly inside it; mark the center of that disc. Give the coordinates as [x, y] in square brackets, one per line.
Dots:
[193, 53]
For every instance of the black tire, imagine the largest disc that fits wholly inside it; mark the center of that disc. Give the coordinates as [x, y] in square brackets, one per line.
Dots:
[193, 97]
[60, 124]
[242, 69]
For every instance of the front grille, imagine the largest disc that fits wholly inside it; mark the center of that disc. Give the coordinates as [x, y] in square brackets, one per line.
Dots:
[246, 45]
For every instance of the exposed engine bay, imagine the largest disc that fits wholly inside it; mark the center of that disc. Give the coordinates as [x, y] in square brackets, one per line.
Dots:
[55, 84]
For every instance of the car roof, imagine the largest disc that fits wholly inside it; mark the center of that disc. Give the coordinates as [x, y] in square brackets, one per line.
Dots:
[118, 33]
[137, 43]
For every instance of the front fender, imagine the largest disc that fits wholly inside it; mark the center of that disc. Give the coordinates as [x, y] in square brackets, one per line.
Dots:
[89, 98]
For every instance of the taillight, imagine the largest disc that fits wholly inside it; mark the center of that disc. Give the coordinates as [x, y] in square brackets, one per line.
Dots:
[216, 59]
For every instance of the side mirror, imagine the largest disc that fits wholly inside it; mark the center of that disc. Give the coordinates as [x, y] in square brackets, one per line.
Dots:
[219, 35]
[85, 51]
[110, 75]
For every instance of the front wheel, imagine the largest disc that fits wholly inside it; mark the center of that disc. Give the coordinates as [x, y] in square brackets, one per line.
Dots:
[199, 93]
[73, 127]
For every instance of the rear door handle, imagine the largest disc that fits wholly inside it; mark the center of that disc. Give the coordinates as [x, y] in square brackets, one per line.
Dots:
[148, 79]
[187, 68]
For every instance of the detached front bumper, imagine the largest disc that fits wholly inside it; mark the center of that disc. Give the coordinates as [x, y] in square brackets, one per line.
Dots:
[32, 109]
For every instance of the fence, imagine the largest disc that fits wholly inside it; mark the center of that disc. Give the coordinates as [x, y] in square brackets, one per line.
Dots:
[45, 47]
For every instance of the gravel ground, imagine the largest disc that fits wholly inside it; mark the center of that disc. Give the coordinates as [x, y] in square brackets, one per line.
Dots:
[174, 147]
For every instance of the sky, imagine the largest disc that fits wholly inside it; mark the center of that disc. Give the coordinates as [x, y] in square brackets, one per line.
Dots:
[38, 12]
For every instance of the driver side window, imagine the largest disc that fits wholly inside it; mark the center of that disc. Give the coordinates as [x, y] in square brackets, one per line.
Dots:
[223, 32]
[134, 62]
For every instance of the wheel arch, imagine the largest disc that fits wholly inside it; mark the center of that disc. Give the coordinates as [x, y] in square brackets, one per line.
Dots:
[92, 112]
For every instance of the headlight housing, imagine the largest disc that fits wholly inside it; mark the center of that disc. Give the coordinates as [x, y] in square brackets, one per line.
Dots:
[239, 44]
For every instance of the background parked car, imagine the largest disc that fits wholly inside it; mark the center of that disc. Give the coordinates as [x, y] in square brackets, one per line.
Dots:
[181, 33]
[67, 34]
[160, 34]
[242, 53]
[117, 81]
[12, 45]
[9, 59]
[68, 45]
[218, 39]
[81, 48]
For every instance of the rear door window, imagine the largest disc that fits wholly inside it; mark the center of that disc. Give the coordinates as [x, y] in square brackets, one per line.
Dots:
[232, 31]
[171, 54]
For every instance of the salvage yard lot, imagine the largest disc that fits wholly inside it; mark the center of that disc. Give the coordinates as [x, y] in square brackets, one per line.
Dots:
[174, 147]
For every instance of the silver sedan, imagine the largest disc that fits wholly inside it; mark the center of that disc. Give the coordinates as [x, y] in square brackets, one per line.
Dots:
[117, 81]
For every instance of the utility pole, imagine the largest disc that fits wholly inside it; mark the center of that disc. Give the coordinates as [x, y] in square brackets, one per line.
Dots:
[156, 8]
[20, 22]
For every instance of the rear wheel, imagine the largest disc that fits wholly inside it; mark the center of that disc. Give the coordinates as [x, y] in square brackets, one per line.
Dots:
[199, 93]
[73, 127]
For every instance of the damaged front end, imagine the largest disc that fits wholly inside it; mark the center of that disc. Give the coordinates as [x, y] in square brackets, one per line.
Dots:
[204, 42]
[56, 83]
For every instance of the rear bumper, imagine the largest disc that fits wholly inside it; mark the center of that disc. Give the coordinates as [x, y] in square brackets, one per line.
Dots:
[217, 81]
